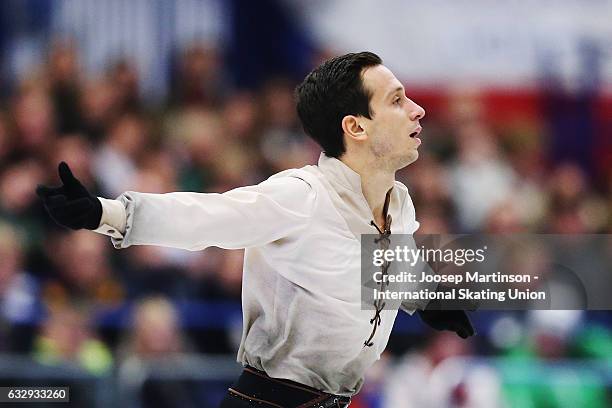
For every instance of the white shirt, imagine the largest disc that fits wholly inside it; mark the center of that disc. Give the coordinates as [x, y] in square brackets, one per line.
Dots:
[301, 292]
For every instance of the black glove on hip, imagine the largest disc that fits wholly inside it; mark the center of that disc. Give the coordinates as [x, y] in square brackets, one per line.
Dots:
[453, 320]
[71, 205]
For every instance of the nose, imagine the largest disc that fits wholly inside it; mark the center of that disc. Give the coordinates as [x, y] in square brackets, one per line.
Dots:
[416, 112]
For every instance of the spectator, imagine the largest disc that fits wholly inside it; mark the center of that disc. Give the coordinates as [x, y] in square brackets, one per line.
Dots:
[480, 177]
[34, 121]
[115, 162]
[83, 272]
[64, 85]
[156, 337]
[437, 377]
[194, 136]
[19, 293]
[548, 337]
[198, 80]
[156, 330]
[66, 337]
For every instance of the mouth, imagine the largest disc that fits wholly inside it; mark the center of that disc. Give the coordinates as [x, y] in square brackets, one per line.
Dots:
[414, 135]
[416, 132]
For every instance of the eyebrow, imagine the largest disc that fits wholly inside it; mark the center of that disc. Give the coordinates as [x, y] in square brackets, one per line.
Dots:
[399, 88]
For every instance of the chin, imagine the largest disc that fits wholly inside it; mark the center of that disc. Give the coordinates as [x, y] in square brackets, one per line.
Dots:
[409, 158]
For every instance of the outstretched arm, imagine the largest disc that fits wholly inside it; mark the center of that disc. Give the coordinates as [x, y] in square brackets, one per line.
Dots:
[240, 218]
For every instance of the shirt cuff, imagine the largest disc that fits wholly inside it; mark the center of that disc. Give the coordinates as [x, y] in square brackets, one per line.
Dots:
[113, 219]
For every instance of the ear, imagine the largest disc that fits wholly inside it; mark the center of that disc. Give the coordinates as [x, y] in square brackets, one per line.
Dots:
[352, 127]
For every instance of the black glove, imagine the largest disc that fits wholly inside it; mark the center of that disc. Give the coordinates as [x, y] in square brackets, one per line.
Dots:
[71, 205]
[453, 320]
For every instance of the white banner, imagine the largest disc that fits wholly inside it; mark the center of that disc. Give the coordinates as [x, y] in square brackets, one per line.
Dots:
[508, 43]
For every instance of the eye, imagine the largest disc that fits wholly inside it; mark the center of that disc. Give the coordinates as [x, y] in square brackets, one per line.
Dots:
[397, 100]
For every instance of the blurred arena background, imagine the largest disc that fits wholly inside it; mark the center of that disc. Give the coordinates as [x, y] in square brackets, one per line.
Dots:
[196, 95]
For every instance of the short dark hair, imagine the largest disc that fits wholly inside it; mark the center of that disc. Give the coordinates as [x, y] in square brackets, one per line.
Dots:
[330, 92]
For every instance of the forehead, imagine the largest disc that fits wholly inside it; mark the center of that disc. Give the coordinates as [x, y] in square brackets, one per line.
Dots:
[380, 81]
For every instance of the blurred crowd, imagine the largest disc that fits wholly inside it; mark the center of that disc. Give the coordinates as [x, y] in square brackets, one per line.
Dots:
[68, 296]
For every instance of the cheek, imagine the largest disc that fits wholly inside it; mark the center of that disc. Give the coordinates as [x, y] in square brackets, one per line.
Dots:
[382, 123]
[393, 118]
[381, 149]
[382, 143]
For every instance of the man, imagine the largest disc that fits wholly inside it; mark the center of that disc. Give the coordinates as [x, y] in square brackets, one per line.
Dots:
[306, 342]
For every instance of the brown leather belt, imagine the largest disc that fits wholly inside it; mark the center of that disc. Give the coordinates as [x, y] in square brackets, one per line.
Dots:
[255, 385]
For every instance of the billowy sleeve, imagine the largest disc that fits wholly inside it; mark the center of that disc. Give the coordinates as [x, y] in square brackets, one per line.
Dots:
[240, 218]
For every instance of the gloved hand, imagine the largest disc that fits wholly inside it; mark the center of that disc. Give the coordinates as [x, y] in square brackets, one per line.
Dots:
[71, 205]
[453, 320]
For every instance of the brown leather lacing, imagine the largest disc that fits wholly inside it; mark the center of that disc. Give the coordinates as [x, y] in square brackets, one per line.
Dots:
[379, 305]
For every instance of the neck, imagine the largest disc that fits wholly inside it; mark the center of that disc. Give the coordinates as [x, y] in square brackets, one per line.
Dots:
[375, 183]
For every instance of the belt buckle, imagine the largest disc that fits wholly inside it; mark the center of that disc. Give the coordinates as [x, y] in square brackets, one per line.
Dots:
[333, 401]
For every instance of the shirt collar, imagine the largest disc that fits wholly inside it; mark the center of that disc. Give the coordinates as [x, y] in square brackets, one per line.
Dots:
[340, 172]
